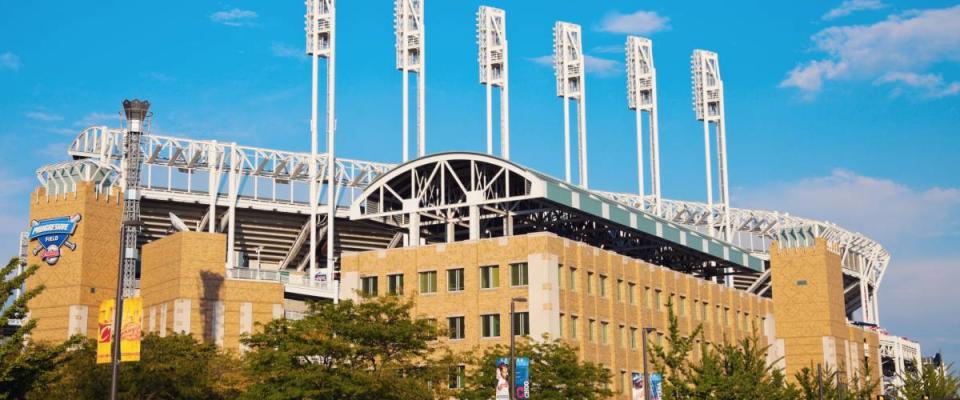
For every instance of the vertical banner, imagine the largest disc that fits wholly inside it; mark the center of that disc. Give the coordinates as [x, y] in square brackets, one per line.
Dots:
[503, 375]
[521, 381]
[656, 386]
[105, 331]
[132, 329]
[637, 379]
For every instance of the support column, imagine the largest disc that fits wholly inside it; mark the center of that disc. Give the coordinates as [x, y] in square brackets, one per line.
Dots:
[232, 207]
[451, 231]
[213, 186]
[474, 222]
[414, 229]
[566, 137]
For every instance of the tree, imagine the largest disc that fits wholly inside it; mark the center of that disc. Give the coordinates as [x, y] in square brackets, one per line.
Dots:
[172, 367]
[930, 382]
[555, 369]
[673, 361]
[372, 349]
[21, 362]
[835, 385]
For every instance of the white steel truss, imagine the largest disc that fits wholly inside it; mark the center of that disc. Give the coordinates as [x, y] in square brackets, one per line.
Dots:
[408, 23]
[571, 84]
[321, 43]
[899, 356]
[642, 96]
[492, 42]
[708, 105]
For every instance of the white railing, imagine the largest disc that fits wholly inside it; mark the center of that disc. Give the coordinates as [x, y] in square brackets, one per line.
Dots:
[298, 283]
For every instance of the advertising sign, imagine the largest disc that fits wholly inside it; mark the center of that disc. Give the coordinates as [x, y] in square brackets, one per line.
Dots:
[129, 336]
[656, 386]
[51, 235]
[521, 383]
[637, 379]
[503, 374]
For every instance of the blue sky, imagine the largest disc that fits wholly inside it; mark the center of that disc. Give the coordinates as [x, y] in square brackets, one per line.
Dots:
[839, 110]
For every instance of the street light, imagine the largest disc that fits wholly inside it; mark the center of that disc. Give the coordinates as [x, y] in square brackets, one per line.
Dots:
[513, 345]
[646, 376]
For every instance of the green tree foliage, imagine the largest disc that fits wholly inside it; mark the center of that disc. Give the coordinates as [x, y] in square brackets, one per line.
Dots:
[835, 384]
[673, 360]
[171, 367]
[371, 349]
[930, 382]
[555, 369]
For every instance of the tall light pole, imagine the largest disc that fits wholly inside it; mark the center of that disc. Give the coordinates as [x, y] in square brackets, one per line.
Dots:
[408, 24]
[708, 105]
[571, 84]
[513, 345]
[646, 375]
[492, 41]
[136, 112]
[321, 43]
[642, 96]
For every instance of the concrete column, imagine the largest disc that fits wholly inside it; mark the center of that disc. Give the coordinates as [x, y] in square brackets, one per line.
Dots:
[413, 228]
[543, 295]
[474, 222]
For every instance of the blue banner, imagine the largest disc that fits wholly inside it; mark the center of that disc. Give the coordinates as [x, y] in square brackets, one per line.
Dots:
[656, 386]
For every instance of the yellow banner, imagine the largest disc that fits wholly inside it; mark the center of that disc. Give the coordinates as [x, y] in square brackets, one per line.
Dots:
[105, 331]
[130, 334]
[131, 329]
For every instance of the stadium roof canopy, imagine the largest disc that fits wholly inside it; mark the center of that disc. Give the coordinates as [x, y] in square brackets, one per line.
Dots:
[464, 196]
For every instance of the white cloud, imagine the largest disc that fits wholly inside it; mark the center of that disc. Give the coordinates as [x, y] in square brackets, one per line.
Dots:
[851, 6]
[911, 42]
[636, 23]
[235, 17]
[593, 65]
[10, 61]
[928, 85]
[42, 116]
[286, 51]
[882, 209]
[98, 118]
[157, 76]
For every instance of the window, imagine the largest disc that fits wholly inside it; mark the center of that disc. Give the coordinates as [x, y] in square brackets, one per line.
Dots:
[560, 276]
[632, 293]
[572, 280]
[591, 327]
[489, 277]
[683, 306]
[518, 274]
[395, 284]
[647, 298]
[620, 335]
[671, 303]
[603, 286]
[456, 377]
[455, 280]
[726, 316]
[490, 325]
[659, 339]
[604, 327]
[368, 286]
[573, 327]
[620, 290]
[704, 314]
[633, 338]
[656, 300]
[434, 328]
[521, 324]
[456, 327]
[622, 386]
[428, 282]
[589, 282]
[561, 325]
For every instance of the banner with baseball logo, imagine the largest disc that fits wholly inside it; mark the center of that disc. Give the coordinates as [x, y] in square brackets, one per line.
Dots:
[51, 235]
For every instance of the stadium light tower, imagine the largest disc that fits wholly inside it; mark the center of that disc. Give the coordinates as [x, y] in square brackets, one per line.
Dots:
[321, 43]
[568, 66]
[708, 105]
[642, 96]
[408, 23]
[492, 41]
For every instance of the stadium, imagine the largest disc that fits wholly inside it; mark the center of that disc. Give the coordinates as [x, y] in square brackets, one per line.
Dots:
[217, 236]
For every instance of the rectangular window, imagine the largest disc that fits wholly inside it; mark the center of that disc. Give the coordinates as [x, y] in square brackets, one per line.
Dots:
[573, 326]
[620, 290]
[656, 300]
[683, 306]
[659, 339]
[455, 280]
[518, 274]
[489, 277]
[456, 327]
[647, 298]
[591, 328]
[726, 316]
[368, 286]
[603, 286]
[428, 282]
[561, 325]
[604, 334]
[632, 293]
[521, 324]
[622, 386]
[456, 377]
[620, 334]
[704, 314]
[560, 276]
[633, 338]
[490, 325]
[395, 284]
[572, 279]
[589, 282]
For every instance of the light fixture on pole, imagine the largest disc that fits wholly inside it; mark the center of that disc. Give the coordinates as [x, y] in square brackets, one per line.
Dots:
[513, 344]
[492, 41]
[708, 105]
[642, 96]
[571, 84]
[321, 43]
[646, 374]
[408, 23]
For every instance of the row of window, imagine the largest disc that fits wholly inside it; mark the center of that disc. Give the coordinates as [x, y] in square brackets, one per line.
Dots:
[489, 326]
[489, 279]
[625, 337]
[652, 298]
